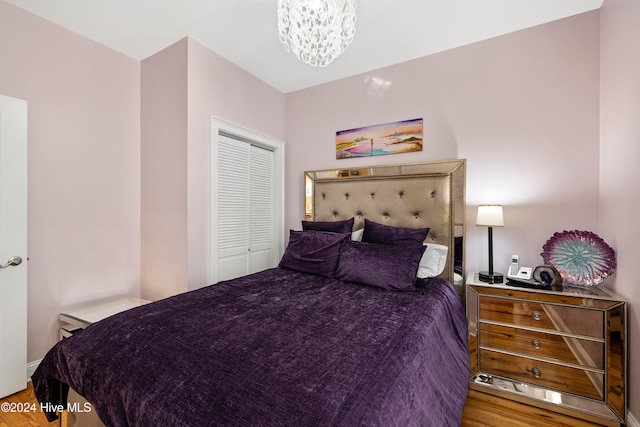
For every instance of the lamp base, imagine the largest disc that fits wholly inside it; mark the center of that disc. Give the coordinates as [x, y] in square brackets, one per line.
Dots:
[484, 276]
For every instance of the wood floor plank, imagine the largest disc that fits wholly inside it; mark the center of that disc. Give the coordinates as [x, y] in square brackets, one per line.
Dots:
[25, 418]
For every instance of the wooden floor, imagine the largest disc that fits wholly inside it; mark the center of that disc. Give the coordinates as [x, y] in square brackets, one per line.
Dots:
[486, 410]
[481, 410]
[26, 418]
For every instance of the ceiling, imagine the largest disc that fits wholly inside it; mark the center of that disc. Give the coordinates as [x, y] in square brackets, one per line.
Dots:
[246, 33]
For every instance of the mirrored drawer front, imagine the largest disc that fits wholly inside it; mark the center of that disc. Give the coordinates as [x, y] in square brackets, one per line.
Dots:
[561, 348]
[560, 318]
[550, 375]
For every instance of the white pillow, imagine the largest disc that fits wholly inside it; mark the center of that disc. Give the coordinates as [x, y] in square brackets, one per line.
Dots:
[357, 235]
[433, 261]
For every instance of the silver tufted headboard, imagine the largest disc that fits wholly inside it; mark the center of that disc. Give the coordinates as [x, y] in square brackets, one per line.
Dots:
[413, 195]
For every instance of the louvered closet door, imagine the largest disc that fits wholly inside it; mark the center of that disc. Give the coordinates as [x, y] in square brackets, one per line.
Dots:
[245, 208]
[260, 209]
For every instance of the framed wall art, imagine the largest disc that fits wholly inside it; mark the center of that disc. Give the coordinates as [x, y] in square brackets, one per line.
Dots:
[390, 138]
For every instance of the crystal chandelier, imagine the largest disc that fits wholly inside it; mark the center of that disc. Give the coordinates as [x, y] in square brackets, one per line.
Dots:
[317, 31]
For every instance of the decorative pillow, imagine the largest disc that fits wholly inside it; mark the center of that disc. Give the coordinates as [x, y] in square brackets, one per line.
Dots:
[396, 236]
[313, 252]
[332, 226]
[382, 266]
[357, 235]
[433, 261]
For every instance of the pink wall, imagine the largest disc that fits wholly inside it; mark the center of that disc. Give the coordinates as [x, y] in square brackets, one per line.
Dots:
[83, 156]
[219, 88]
[182, 87]
[619, 155]
[163, 173]
[521, 108]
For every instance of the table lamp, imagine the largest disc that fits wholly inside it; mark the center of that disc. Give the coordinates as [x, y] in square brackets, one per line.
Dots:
[490, 216]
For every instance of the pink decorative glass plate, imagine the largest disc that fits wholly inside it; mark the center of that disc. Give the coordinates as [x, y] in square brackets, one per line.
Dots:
[581, 257]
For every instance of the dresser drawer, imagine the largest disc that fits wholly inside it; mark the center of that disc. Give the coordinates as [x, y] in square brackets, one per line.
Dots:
[559, 318]
[550, 375]
[561, 348]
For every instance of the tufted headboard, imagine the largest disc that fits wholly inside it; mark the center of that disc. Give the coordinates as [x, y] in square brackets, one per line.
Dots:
[413, 195]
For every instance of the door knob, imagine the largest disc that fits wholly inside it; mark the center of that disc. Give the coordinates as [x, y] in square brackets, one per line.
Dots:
[14, 260]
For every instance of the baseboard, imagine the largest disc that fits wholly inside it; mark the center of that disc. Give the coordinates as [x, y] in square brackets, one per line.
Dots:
[31, 368]
[632, 421]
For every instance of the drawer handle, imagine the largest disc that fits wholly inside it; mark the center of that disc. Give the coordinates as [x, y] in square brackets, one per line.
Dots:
[536, 372]
[536, 344]
[536, 315]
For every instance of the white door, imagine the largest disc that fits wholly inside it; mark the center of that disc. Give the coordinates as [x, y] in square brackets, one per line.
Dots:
[13, 245]
[245, 238]
[247, 202]
[261, 230]
[232, 208]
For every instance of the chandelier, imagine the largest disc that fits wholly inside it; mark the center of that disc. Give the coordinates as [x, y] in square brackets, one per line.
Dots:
[317, 31]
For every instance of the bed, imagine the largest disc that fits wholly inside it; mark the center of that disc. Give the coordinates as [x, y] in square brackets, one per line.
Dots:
[341, 333]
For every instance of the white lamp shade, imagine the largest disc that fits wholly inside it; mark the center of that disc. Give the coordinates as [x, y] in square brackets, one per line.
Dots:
[490, 216]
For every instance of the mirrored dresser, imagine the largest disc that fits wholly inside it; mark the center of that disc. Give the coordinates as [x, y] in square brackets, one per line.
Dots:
[563, 349]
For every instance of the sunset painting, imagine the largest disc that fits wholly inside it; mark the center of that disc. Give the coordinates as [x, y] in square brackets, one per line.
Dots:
[390, 138]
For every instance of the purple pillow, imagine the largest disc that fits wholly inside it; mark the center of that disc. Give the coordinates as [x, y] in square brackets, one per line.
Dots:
[313, 252]
[344, 227]
[382, 266]
[396, 236]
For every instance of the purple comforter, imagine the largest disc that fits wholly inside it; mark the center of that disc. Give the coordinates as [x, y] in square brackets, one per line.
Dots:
[273, 348]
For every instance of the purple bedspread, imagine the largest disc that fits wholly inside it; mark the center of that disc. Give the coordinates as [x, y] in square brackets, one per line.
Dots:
[273, 348]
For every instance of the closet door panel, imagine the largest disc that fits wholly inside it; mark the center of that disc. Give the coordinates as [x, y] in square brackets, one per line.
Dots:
[261, 251]
[233, 208]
